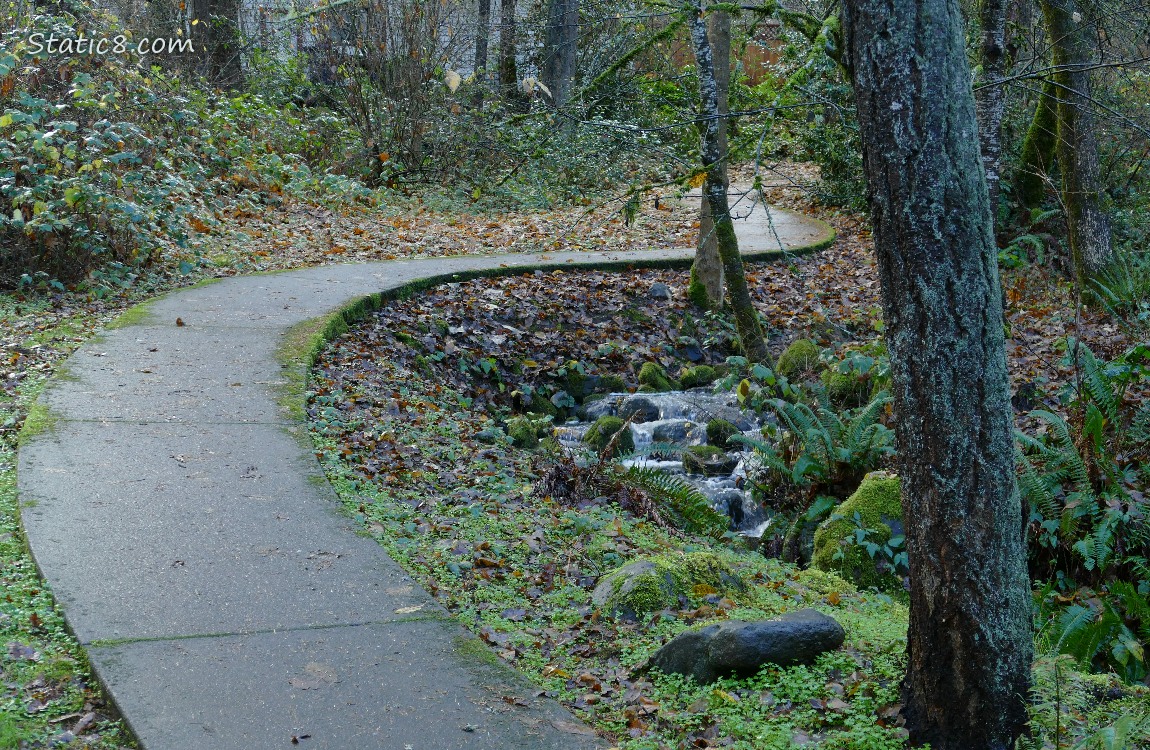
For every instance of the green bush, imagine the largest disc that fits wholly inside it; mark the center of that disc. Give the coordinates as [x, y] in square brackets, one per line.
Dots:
[104, 165]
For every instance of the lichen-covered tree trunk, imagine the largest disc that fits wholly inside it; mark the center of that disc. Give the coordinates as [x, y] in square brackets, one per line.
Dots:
[1038, 149]
[1089, 227]
[990, 96]
[715, 191]
[969, 644]
[706, 288]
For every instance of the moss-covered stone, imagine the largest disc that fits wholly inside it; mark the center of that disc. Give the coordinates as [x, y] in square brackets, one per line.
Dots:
[524, 432]
[877, 502]
[540, 404]
[719, 431]
[651, 584]
[846, 390]
[699, 375]
[654, 376]
[604, 429]
[800, 358]
[611, 384]
[709, 460]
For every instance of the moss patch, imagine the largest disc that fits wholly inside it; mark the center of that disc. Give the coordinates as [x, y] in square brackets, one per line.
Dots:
[661, 582]
[604, 429]
[655, 377]
[697, 376]
[877, 502]
[799, 358]
[40, 419]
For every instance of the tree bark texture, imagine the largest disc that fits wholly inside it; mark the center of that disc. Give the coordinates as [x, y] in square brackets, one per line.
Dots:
[1088, 224]
[561, 49]
[715, 192]
[482, 37]
[990, 97]
[508, 54]
[1038, 149]
[969, 643]
[707, 270]
[215, 38]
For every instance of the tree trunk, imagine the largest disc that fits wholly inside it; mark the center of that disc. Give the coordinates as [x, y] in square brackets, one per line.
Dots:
[969, 644]
[706, 289]
[1089, 226]
[215, 38]
[561, 47]
[482, 35]
[508, 53]
[1038, 150]
[715, 191]
[990, 98]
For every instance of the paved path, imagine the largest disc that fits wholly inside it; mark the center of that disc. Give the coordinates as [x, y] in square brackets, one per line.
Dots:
[198, 554]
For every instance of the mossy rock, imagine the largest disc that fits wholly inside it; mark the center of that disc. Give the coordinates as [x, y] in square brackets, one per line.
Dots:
[709, 460]
[540, 404]
[799, 358]
[719, 431]
[655, 377]
[611, 384]
[525, 431]
[604, 429]
[665, 581]
[879, 505]
[697, 376]
[847, 390]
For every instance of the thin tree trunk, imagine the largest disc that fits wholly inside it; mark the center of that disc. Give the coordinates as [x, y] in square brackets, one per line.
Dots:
[990, 99]
[715, 190]
[482, 35]
[1038, 149]
[969, 644]
[508, 52]
[1089, 226]
[561, 47]
[706, 289]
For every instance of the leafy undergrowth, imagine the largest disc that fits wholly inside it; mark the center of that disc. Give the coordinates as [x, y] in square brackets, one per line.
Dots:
[518, 569]
[459, 511]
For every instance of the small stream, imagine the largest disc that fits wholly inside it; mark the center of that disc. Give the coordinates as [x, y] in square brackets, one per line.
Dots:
[680, 418]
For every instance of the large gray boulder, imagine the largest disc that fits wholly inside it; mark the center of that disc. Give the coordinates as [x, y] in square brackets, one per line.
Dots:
[741, 648]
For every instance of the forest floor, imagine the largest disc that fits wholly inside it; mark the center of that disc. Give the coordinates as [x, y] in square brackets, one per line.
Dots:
[46, 696]
[416, 464]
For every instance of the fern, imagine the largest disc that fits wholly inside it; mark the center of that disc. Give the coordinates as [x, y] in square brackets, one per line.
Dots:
[685, 506]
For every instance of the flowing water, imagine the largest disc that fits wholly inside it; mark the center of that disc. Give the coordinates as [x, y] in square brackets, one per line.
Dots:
[680, 418]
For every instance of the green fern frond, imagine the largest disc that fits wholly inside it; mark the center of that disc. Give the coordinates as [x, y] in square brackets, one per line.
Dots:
[685, 505]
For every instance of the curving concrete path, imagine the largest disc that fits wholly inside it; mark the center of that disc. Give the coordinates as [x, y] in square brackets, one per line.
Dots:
[200, 557]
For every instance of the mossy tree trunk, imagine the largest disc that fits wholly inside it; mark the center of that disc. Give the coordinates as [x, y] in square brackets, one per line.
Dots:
[1070, 26]
[1037, 158]
[707, 271]
[969, 643]
[715, 190]
[990, 97]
